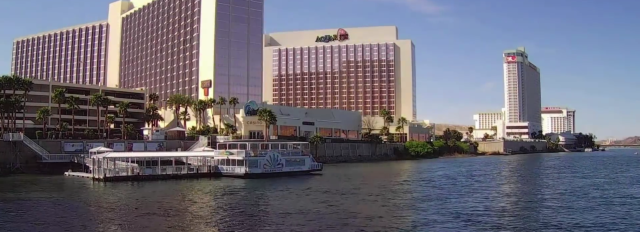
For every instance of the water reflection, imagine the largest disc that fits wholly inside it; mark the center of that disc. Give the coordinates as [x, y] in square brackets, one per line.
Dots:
[520, 191]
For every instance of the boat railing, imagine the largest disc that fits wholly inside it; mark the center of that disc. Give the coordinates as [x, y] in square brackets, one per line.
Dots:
[162, 170]
[258, 153]
[316, 166]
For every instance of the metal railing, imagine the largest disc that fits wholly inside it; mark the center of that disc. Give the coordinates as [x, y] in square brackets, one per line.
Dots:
[316, 166]
[62, 158]
[146, 171]
[37, 148]
[12, 137]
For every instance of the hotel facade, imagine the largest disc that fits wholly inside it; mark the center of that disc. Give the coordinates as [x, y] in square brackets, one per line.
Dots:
[199, 48]
[558, 120]
[357, 69]
[522, 94]
[86, 116]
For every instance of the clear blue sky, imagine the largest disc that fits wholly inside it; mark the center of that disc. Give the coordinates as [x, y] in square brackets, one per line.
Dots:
[587, 50]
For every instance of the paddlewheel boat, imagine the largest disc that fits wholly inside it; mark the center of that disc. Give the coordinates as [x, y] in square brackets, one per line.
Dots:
[263, 159]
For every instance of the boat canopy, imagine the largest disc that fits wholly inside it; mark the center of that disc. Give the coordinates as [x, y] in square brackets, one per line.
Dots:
[159, 154]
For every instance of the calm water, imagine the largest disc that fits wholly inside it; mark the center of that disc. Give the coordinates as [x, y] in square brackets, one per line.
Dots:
[597, 191]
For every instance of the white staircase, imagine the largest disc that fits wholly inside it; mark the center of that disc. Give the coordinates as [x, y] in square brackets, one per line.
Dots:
[44, 154]
[202, 142]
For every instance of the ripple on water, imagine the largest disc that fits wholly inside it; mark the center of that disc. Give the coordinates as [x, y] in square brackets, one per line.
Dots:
[596, 191]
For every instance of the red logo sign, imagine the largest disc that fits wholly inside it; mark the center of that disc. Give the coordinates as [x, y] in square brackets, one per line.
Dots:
[342, 35]
[511, 59]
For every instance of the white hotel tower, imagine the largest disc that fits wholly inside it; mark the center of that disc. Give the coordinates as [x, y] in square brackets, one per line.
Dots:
[522, 98]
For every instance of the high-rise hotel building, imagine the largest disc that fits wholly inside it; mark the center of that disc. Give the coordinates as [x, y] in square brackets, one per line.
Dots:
[521, 94]
[200, 48]
[558, 120]
[360, 69]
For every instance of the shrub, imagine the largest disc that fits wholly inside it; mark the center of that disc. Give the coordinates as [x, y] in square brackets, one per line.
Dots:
[462, 147]
[419, 149]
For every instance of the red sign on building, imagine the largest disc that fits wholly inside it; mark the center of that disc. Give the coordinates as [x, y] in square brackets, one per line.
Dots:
[511, 59]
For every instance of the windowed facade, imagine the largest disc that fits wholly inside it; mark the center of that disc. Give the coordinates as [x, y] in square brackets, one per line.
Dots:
[159, 48]
[73, 55]
[356, 77]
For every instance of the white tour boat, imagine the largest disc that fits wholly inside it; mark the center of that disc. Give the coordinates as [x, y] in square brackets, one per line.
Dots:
[263, 159]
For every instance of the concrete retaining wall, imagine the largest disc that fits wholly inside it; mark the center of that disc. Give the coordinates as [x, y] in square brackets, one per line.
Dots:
[354, 152]
[500, 146]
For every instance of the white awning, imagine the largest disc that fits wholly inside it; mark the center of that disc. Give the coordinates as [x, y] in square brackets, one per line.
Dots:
[100, 149]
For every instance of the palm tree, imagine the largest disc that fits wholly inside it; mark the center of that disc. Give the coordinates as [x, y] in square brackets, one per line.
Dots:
[233, 102]
[43, 115]
[110, 119]
[402, 121]
[387, 118]
[96, 100]
[176, 101]
[188, 103]
[105, 102]
[26, 85]
[316, 140]
[4, 109]
[199, 109]
[211, 103]
[16, 105]
[72, 104]
[184, 116]
[123, 109]
[59, 97]
[154, 98]
[268, 118]
[221, 102]
[152, 116]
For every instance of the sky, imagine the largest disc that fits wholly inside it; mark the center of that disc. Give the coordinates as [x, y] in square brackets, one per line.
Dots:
[586, 49]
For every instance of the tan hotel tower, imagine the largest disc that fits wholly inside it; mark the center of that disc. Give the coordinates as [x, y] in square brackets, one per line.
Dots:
[364, 69]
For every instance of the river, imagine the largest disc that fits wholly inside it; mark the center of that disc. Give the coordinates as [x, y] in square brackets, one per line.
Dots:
[598, 191]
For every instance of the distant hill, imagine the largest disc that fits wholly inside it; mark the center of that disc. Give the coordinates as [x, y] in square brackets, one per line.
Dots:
[441, 127]
[627, 141]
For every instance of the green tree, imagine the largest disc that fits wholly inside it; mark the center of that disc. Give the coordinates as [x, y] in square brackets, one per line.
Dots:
[123, 109]
[233, 102]
[200, 109]
[73, 105]
[222, 101]
[419, 149]
[110, 120]
[184, 116]
[402, 122]
[105, 102]
[315, 141]
[177, 102]
[96, 100]
[211, 104]
[26, 85]
[153, 98]
[59, 97]
[268, 118]
[387, 118]
[384, 131]
[43, 116]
